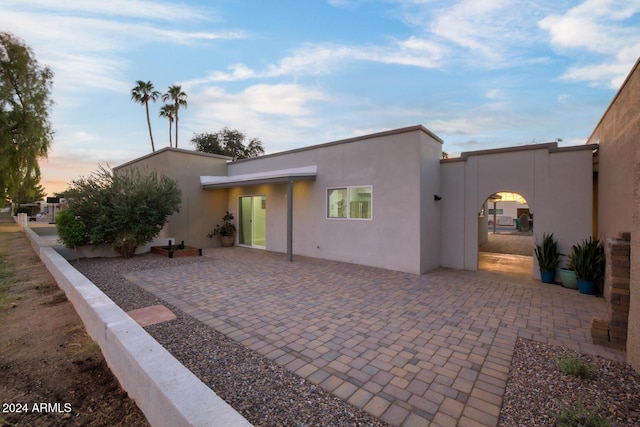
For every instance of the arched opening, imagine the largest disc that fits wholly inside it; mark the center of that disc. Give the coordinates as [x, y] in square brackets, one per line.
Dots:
[505, 234]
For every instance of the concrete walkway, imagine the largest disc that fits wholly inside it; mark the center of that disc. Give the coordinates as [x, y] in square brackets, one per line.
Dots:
[411, 350]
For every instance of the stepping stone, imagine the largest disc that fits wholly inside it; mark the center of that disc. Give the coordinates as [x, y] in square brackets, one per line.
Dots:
[151, 315]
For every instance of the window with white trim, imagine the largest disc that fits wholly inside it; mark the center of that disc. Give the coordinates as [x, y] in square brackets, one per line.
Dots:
[349, 202]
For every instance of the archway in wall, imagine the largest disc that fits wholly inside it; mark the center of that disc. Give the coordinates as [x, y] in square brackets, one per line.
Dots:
[505, 234]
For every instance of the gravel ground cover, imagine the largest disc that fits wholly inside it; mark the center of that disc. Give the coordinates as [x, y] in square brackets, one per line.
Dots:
[262, 391]
[536, 389]
[266, 394]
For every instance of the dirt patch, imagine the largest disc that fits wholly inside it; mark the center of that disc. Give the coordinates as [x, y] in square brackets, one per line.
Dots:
[51, 372]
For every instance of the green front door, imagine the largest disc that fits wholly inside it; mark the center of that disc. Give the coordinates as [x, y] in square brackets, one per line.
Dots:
[253, 221]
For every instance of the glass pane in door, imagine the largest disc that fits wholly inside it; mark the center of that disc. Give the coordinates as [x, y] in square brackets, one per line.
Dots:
[253, 221]
[245, 221]
[259, 221]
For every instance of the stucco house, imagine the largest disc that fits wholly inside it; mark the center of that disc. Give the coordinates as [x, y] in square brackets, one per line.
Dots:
[389, 200]
[368, 200]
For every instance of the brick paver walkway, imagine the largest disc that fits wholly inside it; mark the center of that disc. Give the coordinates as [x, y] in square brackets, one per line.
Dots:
[514, 243]
[412, 350]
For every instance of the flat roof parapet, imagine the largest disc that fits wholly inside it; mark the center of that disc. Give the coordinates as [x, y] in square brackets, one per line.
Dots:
[348, 140]
[552, 147]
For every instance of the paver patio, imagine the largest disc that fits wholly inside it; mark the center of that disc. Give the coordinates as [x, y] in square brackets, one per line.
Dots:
[412, 350]
[509, 243]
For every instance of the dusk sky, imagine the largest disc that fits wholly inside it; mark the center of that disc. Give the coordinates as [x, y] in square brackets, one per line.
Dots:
[479, 74]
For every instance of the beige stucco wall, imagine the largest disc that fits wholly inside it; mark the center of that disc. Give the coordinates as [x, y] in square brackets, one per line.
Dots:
[453, 225]
[430, 218]
[200, 210]
[633, 335]
[618, 134]
[556, 182]
[402, 168]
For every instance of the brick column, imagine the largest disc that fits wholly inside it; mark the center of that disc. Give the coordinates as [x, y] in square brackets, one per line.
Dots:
[612, 332]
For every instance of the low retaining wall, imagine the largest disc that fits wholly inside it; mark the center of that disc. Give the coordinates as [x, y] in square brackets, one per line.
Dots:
[167, 393]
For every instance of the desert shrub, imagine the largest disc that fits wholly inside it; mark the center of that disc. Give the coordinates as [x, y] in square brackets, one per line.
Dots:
[22, 209]
[72, 231]
[573, 366]
[572, 416]
[124, 209]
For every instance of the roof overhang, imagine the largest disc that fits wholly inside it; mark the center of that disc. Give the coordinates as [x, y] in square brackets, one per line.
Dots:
[281, 176]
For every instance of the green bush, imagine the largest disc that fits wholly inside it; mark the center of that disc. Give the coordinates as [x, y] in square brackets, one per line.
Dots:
[573, 366]
[22, 209]
[581, 416]
[71, 230]
[124, 209]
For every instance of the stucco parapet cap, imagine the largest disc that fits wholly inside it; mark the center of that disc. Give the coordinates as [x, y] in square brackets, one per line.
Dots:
[174, 150]
[414, 128]
[552, 147]
[305, 173]
[574, 148]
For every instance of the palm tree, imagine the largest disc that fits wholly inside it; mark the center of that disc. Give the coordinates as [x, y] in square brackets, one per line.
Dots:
[143, 93]
[179, 98]
[168, 111]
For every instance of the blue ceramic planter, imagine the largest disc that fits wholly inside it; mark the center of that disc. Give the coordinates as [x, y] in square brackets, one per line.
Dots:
[568, 278]
[547, 276]
[586, 287]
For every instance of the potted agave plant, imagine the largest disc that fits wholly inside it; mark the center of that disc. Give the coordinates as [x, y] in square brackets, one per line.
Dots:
[589, 263]
[548, 257]
[226, 231]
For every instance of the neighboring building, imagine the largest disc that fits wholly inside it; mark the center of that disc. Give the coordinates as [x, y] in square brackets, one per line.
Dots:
[506, 210]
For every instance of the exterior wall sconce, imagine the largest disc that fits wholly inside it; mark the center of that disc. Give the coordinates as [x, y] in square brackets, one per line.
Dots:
[436, 197]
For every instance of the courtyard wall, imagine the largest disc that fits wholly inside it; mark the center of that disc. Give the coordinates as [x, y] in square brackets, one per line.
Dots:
[556, 182]
[618, 184]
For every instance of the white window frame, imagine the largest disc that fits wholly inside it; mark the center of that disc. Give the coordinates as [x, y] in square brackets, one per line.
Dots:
[348, 203]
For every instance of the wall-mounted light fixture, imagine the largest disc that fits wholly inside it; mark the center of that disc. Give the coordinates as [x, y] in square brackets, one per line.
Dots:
[436, 197]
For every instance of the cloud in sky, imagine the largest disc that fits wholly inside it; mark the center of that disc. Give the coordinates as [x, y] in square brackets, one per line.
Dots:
[122, 8]
[482, 72]
[480, 34]
[598, 26]
[488, 28]
[254, 111]
[87, 44]
[312, 59]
